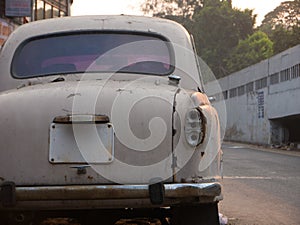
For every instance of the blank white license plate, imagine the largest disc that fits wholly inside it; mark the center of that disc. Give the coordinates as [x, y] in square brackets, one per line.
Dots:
[81, 143]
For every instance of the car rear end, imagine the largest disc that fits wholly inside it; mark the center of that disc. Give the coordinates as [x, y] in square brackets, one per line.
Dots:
[90, 131]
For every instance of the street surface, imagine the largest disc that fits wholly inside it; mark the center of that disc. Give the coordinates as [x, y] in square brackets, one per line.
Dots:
[260, 186]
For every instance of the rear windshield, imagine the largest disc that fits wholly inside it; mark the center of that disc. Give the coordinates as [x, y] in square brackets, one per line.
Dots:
[93, 52]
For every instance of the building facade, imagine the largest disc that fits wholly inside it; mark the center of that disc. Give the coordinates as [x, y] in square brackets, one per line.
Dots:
[7, 24]
[260, 104]
[15, 12]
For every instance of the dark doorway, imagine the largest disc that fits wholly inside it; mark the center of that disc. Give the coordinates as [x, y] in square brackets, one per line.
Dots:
[285, 130]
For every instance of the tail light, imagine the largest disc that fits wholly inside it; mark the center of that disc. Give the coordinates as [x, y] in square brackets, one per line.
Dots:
[194, 127]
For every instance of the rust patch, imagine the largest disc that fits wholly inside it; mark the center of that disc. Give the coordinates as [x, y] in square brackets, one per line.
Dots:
[73, 95]
[139, 221]
[60, 221]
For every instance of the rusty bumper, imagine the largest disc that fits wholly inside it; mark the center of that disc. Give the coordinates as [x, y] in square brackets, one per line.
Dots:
[170, 193]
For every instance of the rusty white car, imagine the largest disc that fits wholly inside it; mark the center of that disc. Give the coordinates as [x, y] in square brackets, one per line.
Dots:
[105, 117]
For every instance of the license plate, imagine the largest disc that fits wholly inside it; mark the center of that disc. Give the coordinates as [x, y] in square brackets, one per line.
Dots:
[81, 143]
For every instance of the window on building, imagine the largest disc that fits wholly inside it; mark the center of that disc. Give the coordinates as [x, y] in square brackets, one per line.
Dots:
[249, 87]
[241, 90]
[2, 8]
[285, 75]
[232, 92]
[274, 78]
[225, 94]
[295, 71]
[261, 83]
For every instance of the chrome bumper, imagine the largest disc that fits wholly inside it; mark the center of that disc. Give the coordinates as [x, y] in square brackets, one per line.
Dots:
[175, 193]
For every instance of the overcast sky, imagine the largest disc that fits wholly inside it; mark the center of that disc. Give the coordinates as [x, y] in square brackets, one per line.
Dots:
[131, 7]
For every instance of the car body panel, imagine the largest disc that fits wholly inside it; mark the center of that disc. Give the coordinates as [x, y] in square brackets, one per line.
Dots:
[31, 129]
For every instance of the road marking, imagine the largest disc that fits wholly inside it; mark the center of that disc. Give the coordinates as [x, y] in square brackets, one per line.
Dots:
[260, 178]
[234, 146]
[243, 177]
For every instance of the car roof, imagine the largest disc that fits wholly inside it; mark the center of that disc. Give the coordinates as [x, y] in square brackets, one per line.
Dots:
[159, 26]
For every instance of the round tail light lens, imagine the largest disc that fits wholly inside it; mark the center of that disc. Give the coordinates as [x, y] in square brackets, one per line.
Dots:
[193, 127]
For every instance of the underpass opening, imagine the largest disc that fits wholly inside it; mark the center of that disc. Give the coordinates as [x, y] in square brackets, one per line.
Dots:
[286, 130]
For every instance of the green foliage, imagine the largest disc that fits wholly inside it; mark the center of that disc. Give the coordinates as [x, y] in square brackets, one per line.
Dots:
[217, 30]
[215, 25]
[283, 25]
[186, 22]
[252, 50]
[225, 37]
[286, 15]
[178, 8]
[284, 39]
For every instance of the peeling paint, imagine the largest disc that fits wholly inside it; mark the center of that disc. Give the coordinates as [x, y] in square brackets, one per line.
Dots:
[73, 95]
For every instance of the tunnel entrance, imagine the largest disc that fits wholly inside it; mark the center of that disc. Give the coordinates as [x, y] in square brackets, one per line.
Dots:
[285, 130]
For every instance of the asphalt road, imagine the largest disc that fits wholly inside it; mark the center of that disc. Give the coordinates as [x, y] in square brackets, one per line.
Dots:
[260, 186]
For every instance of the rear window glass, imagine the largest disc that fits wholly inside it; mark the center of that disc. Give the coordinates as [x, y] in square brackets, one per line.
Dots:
[93, 52]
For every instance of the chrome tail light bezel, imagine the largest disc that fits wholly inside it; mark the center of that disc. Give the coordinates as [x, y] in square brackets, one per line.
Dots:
[194, 127]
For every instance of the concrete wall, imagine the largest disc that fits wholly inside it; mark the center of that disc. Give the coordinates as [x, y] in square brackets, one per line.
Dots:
[250, 100]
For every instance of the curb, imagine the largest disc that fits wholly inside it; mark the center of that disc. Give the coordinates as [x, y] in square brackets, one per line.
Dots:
[264, 148]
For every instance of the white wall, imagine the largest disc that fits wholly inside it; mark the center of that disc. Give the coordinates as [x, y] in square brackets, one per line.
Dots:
[248, 114]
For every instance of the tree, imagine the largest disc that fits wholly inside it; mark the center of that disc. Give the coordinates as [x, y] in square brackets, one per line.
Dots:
[178, 8]
[284, 39]
[218, 30]
[283, 25]
[215, 25]
[252, 50]
[286, 15]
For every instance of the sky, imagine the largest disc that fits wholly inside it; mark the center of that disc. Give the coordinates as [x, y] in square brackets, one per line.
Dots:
[131, 7]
